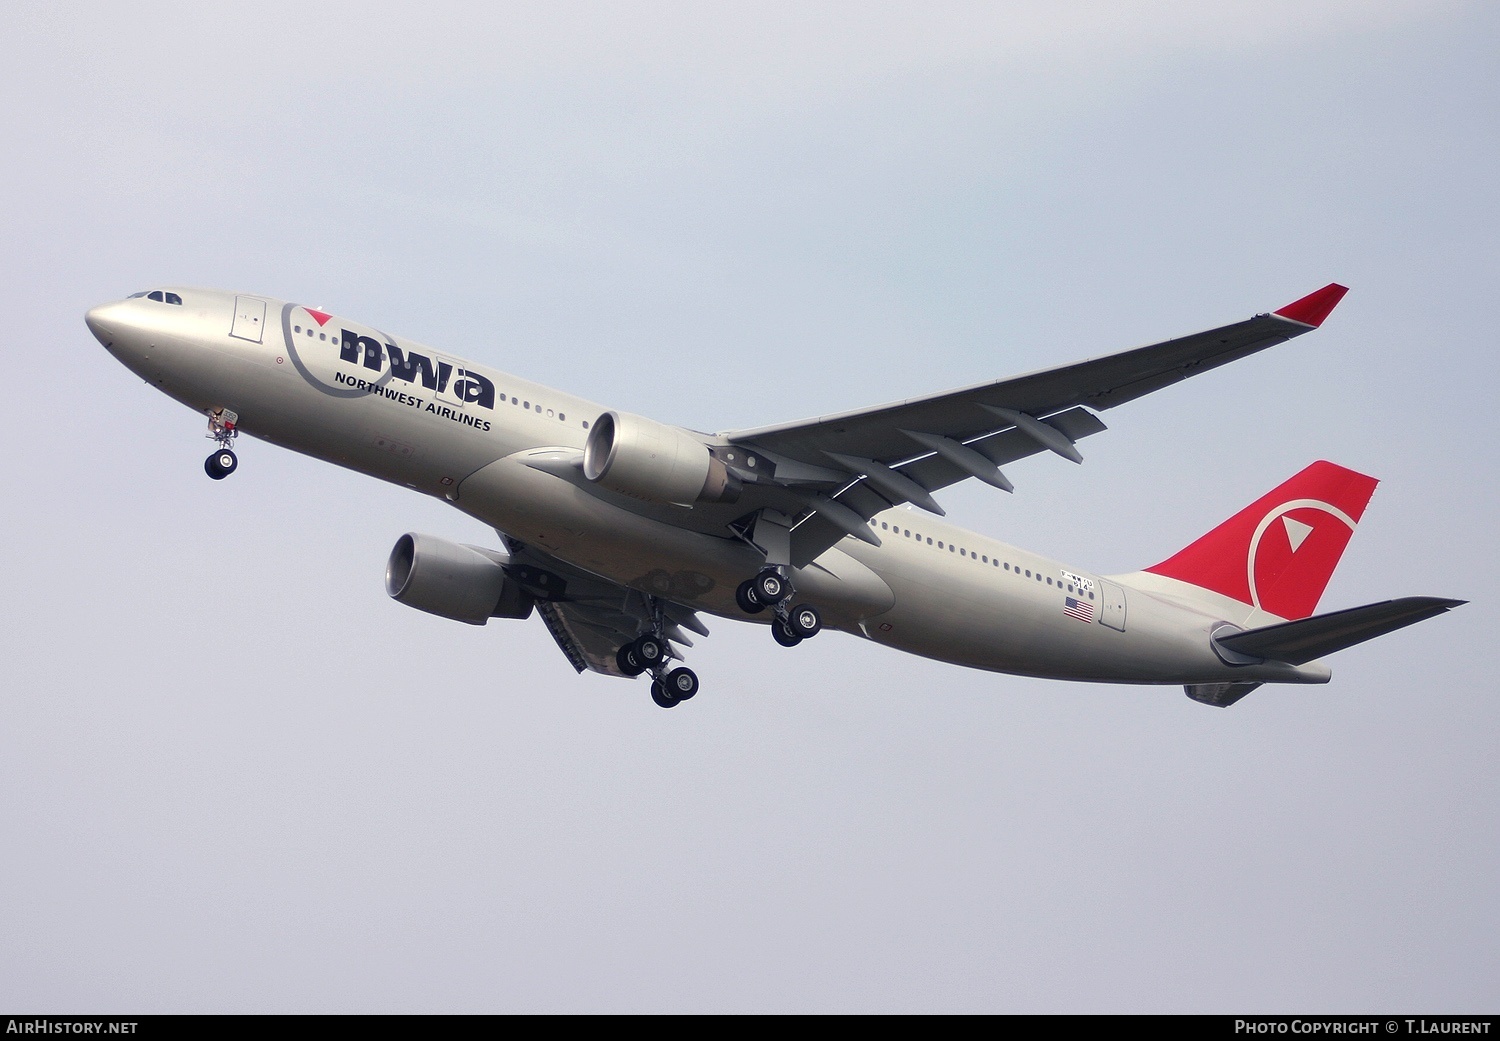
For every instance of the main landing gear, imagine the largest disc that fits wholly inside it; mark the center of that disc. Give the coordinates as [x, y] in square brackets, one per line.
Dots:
[223, 428]
[771, 589]
[648, 653]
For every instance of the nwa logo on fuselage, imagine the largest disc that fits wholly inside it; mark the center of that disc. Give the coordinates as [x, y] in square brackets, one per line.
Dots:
[471, 388]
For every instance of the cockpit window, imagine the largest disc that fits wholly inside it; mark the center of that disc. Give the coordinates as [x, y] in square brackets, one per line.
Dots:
[173, 298]
[154, 296]
[160, 296]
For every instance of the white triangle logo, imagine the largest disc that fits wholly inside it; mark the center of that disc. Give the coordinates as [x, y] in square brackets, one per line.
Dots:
[1296, 532]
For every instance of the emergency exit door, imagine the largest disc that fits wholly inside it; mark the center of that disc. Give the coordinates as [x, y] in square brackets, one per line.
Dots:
[1112, 611]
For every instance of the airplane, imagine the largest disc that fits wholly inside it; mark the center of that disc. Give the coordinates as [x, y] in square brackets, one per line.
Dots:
[621, 531]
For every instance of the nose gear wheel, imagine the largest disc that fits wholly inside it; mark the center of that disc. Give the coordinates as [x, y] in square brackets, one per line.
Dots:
[223, 427]
[221, 464]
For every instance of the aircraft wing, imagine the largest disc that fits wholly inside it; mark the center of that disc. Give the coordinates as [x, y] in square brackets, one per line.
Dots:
[866, 461]
[591, 617]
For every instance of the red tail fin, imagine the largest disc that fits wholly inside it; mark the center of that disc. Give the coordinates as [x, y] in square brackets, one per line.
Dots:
[1279, 552]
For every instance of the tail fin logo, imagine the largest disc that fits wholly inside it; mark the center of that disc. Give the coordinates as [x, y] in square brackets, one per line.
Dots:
[1279, 553]
[1296, 532]
[1269, 559]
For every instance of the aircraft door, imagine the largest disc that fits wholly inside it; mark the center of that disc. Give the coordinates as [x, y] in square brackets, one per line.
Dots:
[249, 318]
[1112, 609]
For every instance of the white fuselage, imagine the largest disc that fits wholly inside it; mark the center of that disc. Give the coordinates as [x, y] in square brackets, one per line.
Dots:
[504, 450]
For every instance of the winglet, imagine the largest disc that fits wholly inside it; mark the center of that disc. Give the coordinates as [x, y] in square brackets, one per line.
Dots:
[1313, 308]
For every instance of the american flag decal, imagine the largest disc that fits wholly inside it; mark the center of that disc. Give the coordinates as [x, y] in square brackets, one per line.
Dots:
[1079, 609]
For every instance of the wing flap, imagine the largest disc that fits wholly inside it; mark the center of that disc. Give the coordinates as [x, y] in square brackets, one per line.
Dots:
[1006, 446]
[816, 534]
[590, 617]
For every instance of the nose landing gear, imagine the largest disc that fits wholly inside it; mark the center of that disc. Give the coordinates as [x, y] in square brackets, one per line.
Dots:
[223, 428]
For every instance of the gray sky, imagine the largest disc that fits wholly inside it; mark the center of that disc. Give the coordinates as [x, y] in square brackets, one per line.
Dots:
[234, 776]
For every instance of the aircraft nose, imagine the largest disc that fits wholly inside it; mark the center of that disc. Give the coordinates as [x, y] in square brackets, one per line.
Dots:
[104, 322]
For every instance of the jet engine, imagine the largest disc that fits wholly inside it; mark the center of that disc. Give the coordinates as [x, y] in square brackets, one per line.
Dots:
[647, 460]
[465, 583]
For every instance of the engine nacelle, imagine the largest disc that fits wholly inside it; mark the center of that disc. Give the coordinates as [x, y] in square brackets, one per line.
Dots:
[465, 583]
[648, 460]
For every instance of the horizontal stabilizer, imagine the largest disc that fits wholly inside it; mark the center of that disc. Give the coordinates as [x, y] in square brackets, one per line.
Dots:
[1301, 641]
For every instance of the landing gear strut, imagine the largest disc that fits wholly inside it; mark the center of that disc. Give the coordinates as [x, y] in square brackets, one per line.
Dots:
[223, 427]
[648, 653]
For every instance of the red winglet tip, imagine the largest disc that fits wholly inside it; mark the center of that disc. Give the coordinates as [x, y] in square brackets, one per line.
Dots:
[1313, 308]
